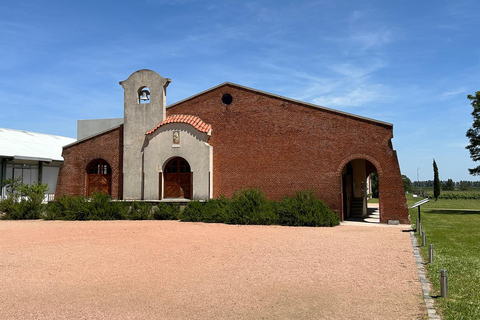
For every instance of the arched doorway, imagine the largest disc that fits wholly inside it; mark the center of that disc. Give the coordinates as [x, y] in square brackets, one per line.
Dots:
[178, 179]
[99, 177]
[357, 189]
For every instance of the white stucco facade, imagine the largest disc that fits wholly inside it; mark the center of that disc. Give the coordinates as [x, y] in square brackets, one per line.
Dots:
[193, 147]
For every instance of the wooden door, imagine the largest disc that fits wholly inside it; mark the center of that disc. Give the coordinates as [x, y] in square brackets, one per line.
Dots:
[99, 177]
[99, 183]
[178, 179]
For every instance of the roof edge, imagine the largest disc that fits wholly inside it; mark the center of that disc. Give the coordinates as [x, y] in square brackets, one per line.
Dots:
[32, 158]
[192, 120]
[283, 98]
[92, 136]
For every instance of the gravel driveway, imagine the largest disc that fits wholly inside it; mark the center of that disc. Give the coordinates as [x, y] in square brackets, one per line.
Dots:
[175, 270]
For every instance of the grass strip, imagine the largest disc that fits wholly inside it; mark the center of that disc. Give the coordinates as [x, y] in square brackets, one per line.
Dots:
[454, 234]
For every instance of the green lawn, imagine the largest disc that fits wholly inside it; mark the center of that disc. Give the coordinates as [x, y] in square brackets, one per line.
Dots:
[453, 227]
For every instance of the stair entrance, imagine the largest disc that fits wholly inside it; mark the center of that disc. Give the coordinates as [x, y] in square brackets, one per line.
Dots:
[356, 208]
[356, 187]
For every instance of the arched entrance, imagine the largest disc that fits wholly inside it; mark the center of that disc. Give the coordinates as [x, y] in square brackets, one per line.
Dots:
[99, 177]
[356, 190]
[178, 179]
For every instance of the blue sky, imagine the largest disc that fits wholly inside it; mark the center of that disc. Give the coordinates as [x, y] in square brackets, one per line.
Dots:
[410, 63]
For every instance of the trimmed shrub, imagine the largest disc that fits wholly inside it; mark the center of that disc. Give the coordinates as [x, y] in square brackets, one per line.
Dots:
[6, 206]
[211, 211]
[303, 209]
[165, 211]
[100, 207]
[67, 208]
[250, 206]
[217, 210]
[139, 211]
[25, 202]
[193, 212]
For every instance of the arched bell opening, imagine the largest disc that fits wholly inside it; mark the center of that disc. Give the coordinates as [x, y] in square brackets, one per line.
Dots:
[144, 95]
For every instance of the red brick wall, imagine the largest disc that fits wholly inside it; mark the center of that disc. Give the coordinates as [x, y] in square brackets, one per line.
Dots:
[72, 178]
[264, 141]
[283, 146]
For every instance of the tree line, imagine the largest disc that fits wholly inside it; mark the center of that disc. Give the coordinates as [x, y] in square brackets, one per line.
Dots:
[447, 184]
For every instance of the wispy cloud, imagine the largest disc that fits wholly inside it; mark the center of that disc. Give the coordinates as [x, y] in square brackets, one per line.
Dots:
[354, 97]
[454, 92]
[370, 39]
[352, 71]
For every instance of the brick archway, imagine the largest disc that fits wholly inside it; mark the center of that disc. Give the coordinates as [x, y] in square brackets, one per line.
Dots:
[353, 173]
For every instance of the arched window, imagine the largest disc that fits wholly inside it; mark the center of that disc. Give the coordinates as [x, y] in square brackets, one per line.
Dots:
[178, 179]
[99, 177]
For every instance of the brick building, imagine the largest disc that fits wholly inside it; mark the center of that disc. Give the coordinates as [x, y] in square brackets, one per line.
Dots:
[231, 137]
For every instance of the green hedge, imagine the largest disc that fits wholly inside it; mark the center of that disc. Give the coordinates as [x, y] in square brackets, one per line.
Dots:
[247, 207]
[303, 209]
[100, 207]
[250, 206]
[25, 201]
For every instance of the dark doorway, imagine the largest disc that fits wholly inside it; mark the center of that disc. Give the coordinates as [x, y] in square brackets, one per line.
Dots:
[357, 190]
[178, 179]
[347, 186]
[99, 177]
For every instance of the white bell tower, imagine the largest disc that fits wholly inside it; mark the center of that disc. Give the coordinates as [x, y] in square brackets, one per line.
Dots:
[144, 108]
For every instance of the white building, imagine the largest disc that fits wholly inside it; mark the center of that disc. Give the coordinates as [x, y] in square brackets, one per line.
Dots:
[32, 156]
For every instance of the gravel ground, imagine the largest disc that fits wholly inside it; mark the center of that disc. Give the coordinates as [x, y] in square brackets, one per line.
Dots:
[174, 270]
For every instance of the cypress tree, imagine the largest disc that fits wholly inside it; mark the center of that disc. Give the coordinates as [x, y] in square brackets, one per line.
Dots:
[436, 181]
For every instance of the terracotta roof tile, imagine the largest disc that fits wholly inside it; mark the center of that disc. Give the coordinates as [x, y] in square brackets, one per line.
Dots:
[194, 121]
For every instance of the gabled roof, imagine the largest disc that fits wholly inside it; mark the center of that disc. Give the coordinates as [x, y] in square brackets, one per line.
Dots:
[26, 145]
[311, 105]
[92, 136]
[194, 121]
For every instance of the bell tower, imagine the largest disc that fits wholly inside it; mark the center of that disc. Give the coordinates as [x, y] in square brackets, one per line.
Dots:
[144, 108]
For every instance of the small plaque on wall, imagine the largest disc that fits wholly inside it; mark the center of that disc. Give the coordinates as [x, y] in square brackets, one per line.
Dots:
[176, 139]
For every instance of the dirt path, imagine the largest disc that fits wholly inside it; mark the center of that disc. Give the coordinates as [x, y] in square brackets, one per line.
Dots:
[174, 270]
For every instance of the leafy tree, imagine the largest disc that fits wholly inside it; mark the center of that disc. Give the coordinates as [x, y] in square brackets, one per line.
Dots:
[463, 186]
[449, 185]
[473, 134]
[436, 181]
[407, 183]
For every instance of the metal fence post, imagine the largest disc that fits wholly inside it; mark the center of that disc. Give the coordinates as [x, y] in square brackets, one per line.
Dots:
[423, 239]
[443, 283]
[430, 253]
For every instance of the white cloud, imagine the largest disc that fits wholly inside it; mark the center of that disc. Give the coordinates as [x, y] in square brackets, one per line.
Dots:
[453, 92]
[354, 97]
[458, 144]
[355, 72]
[369, 39]
[356, 16]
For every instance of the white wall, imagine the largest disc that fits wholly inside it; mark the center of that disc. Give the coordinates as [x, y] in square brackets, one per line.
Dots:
[29, 171]
[193, 148]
